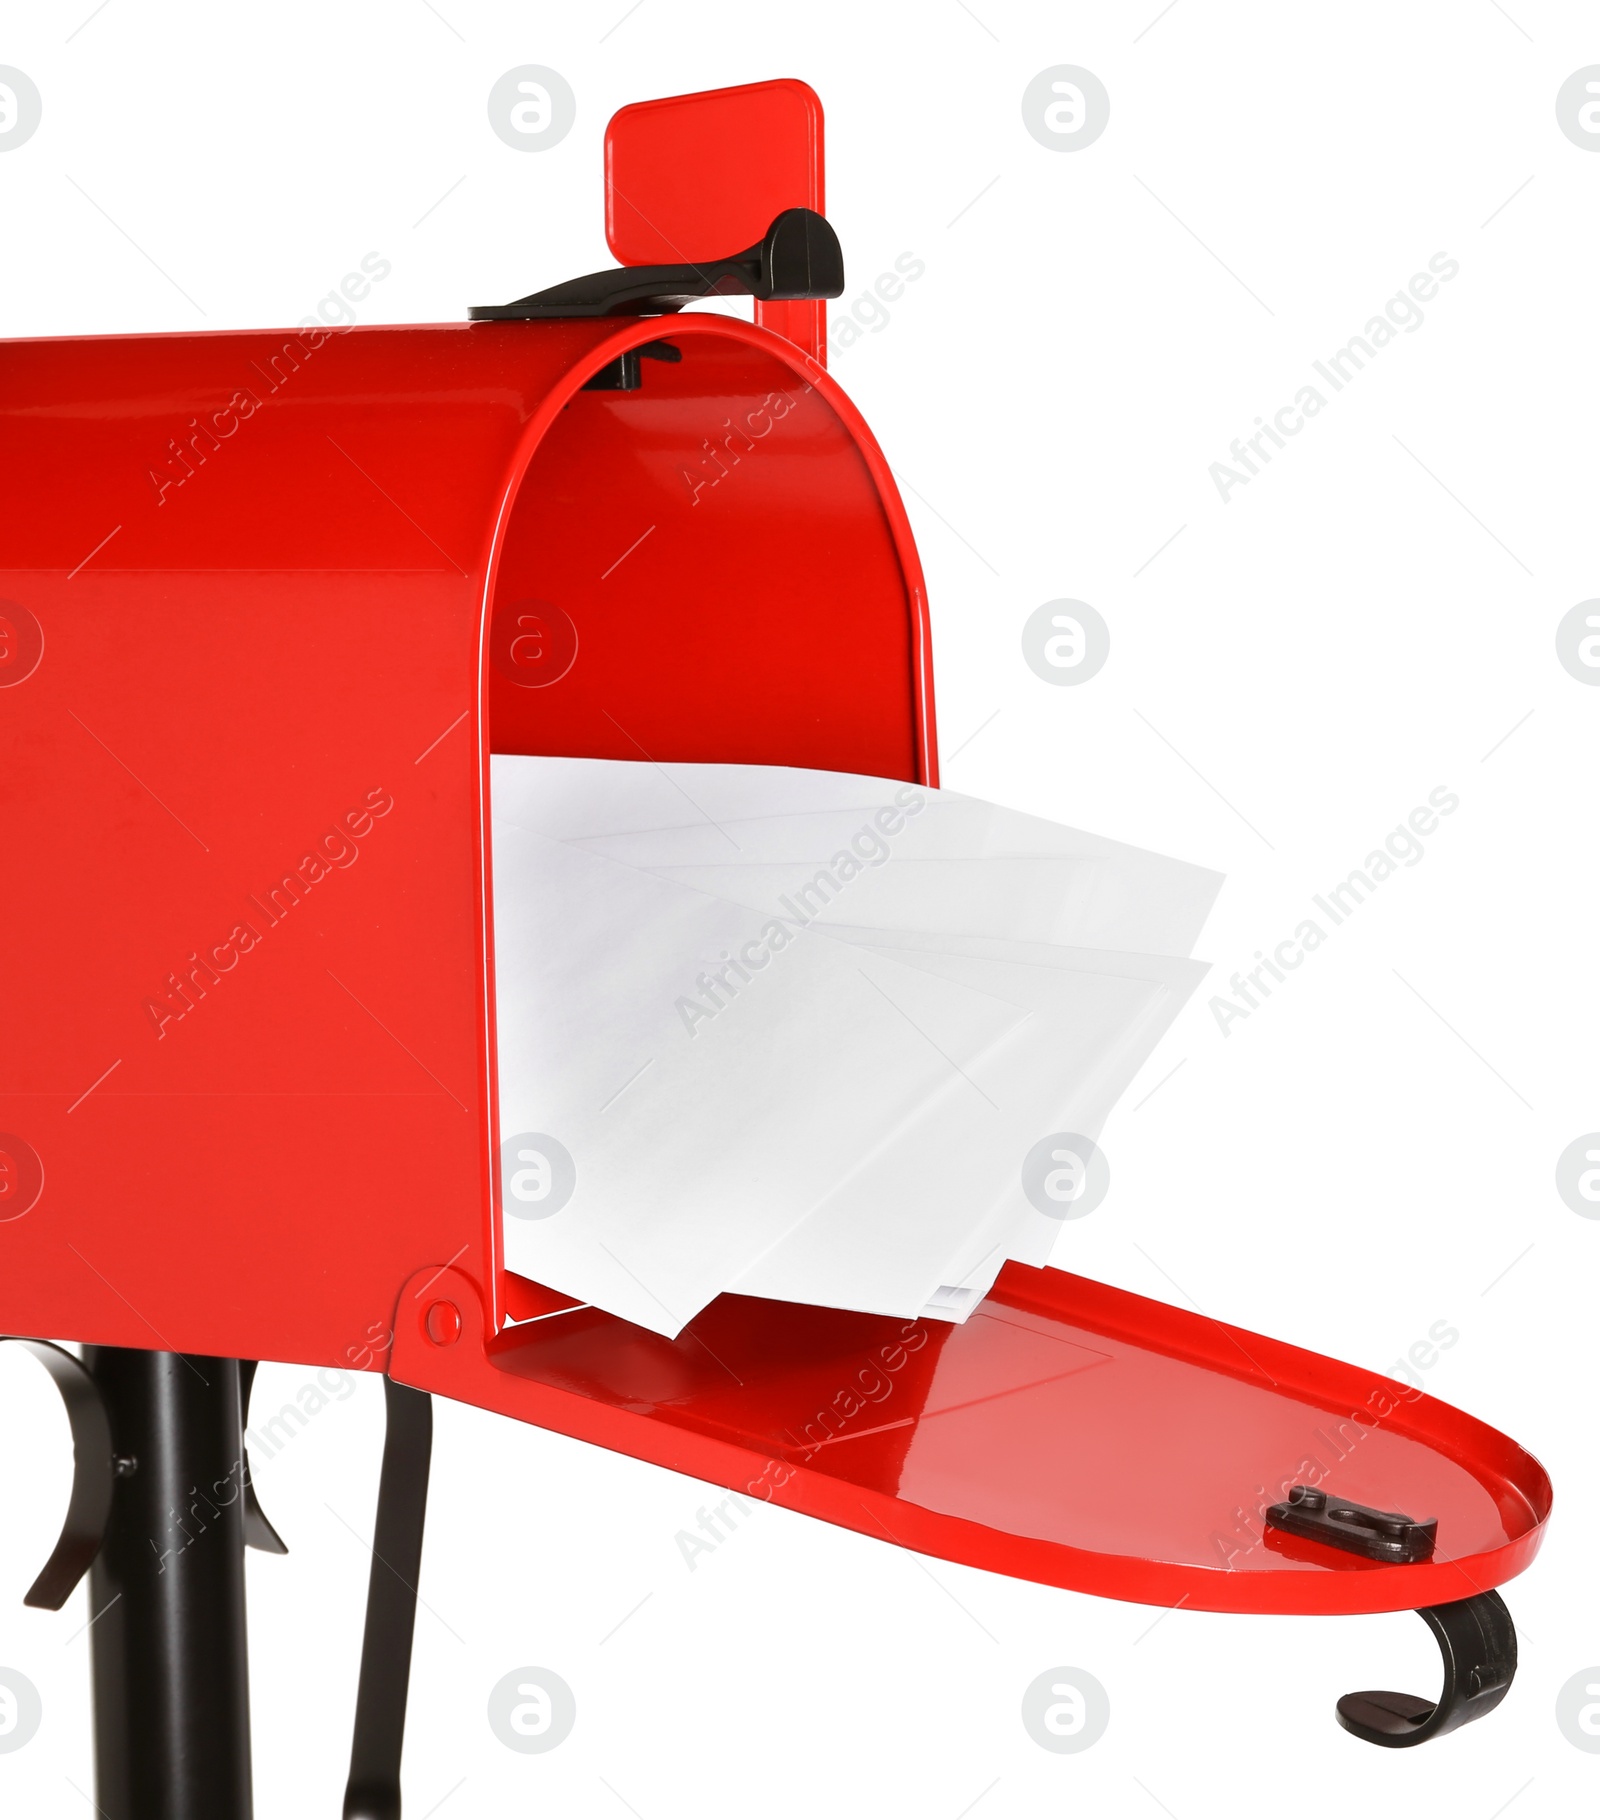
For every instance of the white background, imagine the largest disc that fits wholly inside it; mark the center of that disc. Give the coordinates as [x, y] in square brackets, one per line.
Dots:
[1368, 1154]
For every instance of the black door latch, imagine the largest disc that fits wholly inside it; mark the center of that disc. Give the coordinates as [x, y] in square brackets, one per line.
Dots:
[1380, 1535]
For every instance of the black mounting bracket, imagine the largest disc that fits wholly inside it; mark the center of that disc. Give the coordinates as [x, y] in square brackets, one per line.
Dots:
[1479, 1645]
[798, 259]
[95, 1470]
[94, 1473]
[624, 374]
[188, 1633]
[258, 1532]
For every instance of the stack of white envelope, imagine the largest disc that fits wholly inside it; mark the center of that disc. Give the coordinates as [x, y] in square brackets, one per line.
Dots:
[794, 1033]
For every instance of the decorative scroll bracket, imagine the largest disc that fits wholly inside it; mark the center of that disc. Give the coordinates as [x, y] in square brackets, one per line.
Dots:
[94, 1471]
[1479, 1645]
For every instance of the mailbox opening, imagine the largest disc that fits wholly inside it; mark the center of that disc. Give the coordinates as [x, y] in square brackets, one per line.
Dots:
[714, 566]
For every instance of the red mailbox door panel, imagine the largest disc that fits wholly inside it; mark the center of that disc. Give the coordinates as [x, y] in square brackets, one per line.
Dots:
[1068, 1433]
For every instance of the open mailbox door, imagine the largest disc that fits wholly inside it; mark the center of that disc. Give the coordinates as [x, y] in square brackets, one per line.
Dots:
[269, 602]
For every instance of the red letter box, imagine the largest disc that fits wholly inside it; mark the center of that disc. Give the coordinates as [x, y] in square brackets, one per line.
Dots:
[269, 601]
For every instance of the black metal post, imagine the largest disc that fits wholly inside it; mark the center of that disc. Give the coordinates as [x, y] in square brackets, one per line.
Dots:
[171, 1683]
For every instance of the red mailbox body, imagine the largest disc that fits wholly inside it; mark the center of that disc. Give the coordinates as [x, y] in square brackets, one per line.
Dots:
[284, 583]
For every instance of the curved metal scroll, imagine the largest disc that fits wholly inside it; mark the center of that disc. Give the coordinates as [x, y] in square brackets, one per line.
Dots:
[1479, 1645]
[258, 1532]
[93, 1472]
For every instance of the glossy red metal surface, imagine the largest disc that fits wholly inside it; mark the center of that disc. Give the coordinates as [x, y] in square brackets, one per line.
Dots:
[1068, 1433]
[243, 778]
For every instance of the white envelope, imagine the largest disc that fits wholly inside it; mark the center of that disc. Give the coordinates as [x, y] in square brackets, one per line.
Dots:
[930, 1206]
[845, 1122]
[695, 1136]
[1170, 898]
[1087, 903]
[578, 798]
[670, 815]
[1011, 1226]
